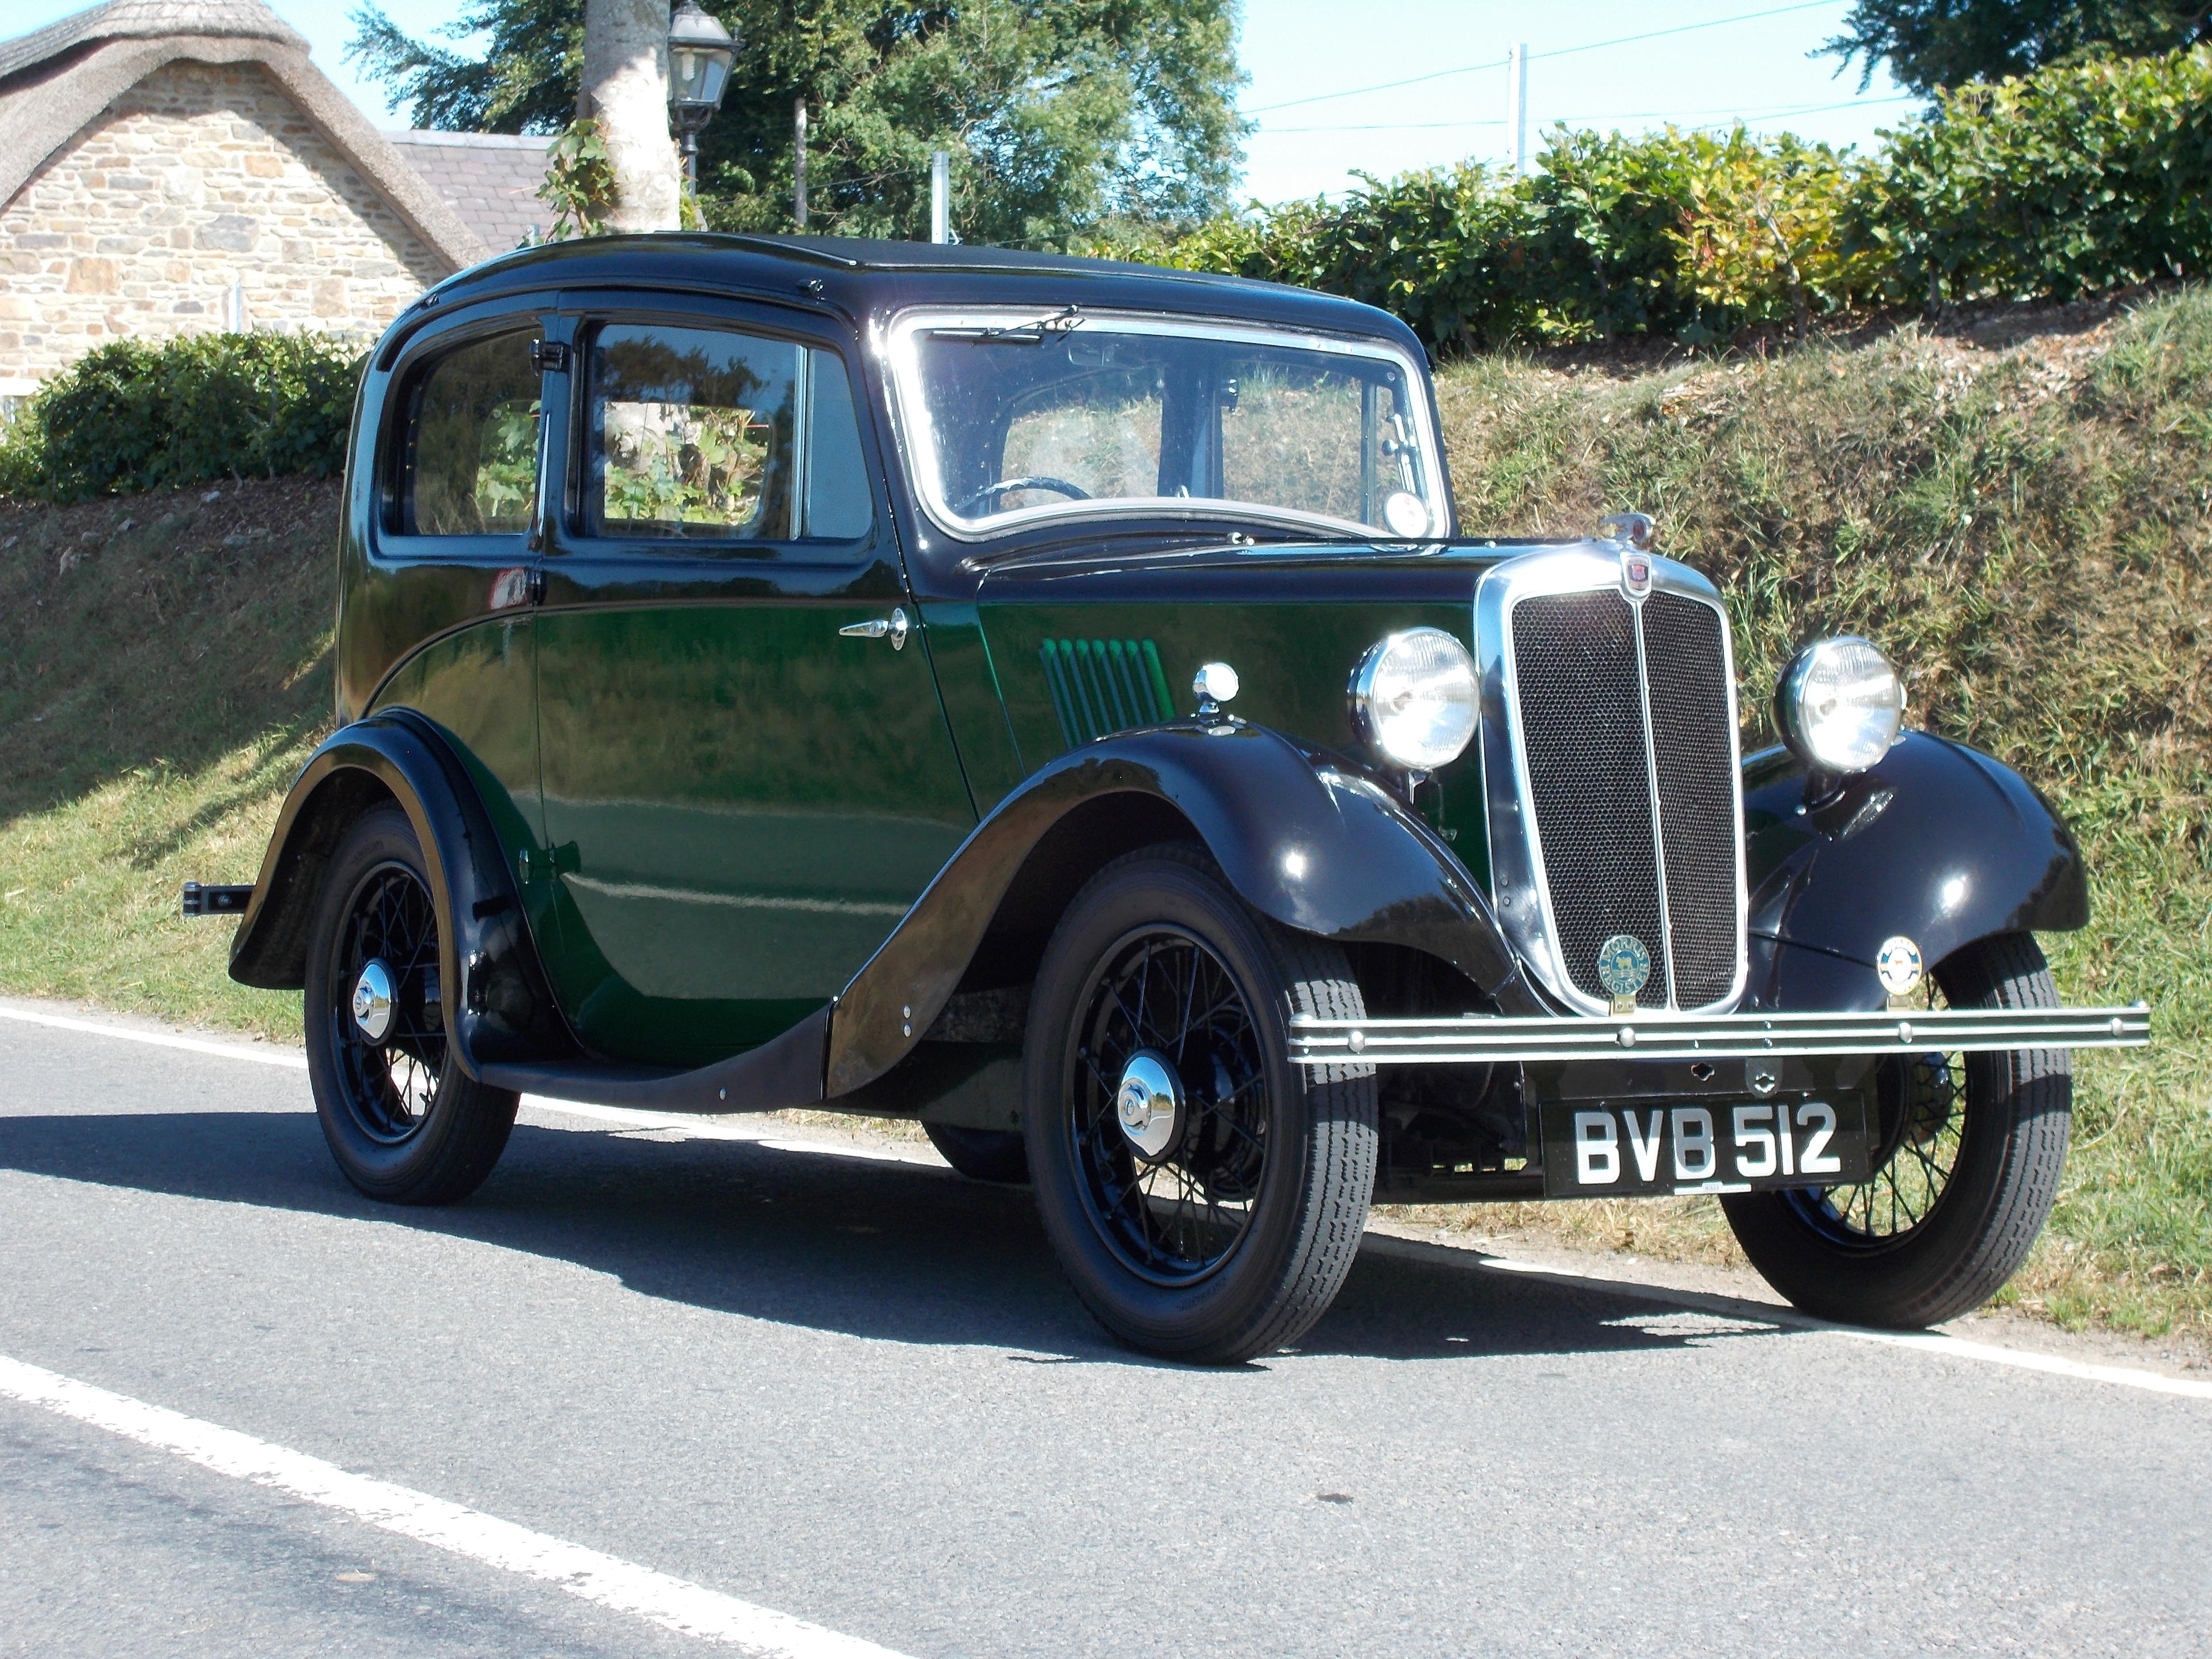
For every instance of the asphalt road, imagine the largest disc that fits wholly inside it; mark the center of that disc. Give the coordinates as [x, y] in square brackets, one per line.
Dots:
[855, 1391]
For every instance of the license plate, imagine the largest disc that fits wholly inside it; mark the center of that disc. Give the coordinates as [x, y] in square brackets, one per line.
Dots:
[1597, 1150]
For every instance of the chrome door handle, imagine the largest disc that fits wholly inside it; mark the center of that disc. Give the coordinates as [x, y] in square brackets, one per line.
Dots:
[894, 629]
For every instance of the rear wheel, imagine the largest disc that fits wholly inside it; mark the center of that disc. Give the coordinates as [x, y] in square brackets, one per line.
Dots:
[404, 1121]
[1968, 1150]
[1205, 1195]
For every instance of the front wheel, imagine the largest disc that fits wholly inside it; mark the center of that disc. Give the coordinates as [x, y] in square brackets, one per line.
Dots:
[1205, 1196]
[405, 1123]
[1968, 1150]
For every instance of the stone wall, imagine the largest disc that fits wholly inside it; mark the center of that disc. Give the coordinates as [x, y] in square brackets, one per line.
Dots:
[200, 177]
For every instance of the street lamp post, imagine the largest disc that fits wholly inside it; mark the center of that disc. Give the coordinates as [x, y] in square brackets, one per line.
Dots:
[699, 54]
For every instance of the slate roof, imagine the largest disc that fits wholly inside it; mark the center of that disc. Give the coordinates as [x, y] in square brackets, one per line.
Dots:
[490, 178]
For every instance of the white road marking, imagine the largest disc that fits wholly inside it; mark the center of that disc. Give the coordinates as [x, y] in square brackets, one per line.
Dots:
[297, 1062]
[1954, 1347]
[675, 1604]
[697, 1128]
[1936, 1342]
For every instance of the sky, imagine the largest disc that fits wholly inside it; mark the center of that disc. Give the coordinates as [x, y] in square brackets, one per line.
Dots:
[1305, 56]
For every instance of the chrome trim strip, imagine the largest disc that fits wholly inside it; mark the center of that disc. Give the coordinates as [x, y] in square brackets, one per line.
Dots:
[1658, 812]
[1519, 888]
[1476, 1039]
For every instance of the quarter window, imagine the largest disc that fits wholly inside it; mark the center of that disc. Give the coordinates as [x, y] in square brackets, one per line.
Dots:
[709, 435]
[470, 467]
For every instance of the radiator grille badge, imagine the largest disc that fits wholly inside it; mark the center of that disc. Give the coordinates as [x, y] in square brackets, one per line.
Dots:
[1622, 966]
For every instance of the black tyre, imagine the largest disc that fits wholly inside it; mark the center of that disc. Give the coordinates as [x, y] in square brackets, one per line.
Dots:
[1218, 1221]
[405, 1123]
[980, 1154]
[1968, 1150]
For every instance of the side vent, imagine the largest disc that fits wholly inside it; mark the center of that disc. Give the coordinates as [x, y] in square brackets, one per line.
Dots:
[1102, 686]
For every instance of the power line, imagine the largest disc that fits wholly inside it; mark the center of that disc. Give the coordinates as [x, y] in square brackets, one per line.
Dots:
[1611, 115]
[1564, 51]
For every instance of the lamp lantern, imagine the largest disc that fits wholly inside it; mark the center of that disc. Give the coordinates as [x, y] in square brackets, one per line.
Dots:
[701, 52]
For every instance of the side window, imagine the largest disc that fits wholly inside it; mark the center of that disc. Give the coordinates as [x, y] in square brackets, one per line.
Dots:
[469, 466]
[712, 435]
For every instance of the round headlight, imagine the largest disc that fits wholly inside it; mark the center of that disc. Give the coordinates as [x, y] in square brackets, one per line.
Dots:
[1840, 704]
[1414, 699]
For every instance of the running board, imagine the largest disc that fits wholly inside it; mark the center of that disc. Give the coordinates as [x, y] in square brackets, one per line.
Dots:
[782, 1072]
[1475, 1038]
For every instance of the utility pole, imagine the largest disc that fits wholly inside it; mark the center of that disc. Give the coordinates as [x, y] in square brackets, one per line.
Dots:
[940, 197]
[799, 163]
[1516, 105]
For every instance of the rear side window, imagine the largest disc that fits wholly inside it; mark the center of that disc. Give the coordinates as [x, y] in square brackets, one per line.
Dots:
[709, 435]
[469, 466]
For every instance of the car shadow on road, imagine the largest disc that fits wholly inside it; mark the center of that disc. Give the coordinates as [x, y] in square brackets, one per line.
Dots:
[873, 1248]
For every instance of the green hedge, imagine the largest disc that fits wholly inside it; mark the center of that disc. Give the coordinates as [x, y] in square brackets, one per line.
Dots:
[2070, 181]
[139, 416]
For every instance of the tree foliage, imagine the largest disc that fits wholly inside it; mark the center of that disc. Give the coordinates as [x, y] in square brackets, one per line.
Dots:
[1946, 43]
[2079, 178]
[1061, 116]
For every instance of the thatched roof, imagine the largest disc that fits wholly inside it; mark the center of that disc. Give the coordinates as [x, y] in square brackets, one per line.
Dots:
[56, 81]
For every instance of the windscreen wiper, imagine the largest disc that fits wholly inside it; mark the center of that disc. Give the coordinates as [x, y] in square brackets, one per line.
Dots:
[1061, 322]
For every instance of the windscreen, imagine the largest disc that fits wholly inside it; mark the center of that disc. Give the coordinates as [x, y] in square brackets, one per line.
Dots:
[1011, 420]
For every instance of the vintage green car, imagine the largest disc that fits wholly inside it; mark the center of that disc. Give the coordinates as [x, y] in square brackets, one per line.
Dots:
[1057, 701]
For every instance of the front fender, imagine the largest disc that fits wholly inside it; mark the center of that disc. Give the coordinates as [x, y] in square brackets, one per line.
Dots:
[1299, 837]
[497, 1004]
[1936, 842]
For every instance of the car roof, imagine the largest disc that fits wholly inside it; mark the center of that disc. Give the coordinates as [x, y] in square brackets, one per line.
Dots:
[868, 280]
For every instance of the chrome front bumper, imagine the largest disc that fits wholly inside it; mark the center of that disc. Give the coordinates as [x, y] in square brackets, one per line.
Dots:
[1473, 1039]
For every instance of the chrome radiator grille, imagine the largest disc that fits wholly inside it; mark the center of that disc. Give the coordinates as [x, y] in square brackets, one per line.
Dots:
[1620, 745]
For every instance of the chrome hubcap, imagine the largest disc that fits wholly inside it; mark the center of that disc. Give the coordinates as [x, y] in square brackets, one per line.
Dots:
[1148, 1104]
[372, 1001]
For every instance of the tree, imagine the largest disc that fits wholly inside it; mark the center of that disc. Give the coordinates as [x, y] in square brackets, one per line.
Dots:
[1948, 43]
[624, 94]
[1061, 116]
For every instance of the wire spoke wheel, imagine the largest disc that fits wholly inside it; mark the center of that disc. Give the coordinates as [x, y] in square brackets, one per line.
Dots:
[1920, 1128]
[390, 1081]
[1967, 1156]
[1172, 1217]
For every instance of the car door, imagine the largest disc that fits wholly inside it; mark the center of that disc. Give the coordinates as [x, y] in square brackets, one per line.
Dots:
[437, 617]
[747, 773]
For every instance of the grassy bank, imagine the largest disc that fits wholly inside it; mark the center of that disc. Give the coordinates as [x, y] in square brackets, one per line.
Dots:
[2019, 515]
[165, 669]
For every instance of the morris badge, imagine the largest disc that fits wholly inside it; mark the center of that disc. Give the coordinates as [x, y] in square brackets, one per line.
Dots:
[1897, 965]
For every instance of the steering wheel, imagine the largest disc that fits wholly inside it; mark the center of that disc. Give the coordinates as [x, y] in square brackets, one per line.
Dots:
[1007, 486]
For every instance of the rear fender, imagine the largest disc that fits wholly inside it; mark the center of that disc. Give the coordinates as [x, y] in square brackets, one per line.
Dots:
[497, 1004]
[1300, 837]
[1937, 842]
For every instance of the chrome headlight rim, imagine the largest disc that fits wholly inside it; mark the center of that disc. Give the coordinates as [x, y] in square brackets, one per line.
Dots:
[1372, 726]
[1813, 740]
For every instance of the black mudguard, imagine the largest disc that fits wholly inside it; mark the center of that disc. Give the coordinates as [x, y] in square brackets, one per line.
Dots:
[1300, 836]
[497, 1004]
[1937, 842]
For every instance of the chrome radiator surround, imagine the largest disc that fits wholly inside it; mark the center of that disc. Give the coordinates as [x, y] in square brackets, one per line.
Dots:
[1477, 1039]
[1519, 887]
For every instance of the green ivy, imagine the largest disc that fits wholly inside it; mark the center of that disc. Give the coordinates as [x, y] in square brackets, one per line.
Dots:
[134, 415]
